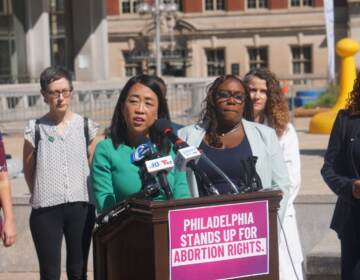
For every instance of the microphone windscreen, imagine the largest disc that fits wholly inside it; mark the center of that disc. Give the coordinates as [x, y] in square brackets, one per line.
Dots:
[142, 150]
[161, 125]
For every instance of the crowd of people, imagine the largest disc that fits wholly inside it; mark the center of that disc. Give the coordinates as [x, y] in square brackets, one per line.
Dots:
[70, 172]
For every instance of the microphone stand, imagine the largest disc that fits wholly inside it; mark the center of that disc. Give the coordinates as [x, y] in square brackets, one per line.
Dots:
[149, 186]
[209, 187]
[221, 173]
[165, 184]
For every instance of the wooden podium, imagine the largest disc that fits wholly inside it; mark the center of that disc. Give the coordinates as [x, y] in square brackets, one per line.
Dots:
[135, 245]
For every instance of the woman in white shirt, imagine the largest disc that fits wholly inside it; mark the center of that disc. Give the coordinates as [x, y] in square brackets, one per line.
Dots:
[57, 150]
[270, 108]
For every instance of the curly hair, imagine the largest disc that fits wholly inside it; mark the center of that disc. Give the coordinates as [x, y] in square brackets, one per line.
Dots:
[353, 102]
[276, 108]
[118, 126]
[209, 113]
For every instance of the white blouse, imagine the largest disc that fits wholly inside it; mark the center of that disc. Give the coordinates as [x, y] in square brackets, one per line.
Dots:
[62, 169]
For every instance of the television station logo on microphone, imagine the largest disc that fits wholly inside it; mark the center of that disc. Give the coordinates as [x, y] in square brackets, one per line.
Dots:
[140, 152]
[190, 153]
[159, 164]
[185, 155]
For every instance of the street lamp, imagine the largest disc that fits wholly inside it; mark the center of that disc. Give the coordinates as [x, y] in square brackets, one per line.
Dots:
[156, 11]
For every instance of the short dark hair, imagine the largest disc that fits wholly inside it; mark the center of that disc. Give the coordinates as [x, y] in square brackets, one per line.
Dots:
[54, 73]
[118, 125]
[208, 114]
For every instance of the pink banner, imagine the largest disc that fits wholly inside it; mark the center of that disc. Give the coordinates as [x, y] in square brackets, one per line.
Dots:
[219, 242]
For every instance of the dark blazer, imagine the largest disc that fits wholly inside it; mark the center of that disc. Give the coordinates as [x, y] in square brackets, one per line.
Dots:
[339, 170]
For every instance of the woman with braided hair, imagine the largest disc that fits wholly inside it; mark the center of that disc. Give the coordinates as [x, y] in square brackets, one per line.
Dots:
[227, 135]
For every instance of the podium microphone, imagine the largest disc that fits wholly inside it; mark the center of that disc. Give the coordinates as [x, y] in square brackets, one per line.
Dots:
[187, 157]
[163, 126]
[159, 166]
[149, 185]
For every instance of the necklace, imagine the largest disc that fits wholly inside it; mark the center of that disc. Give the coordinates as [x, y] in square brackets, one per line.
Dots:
[235, 128]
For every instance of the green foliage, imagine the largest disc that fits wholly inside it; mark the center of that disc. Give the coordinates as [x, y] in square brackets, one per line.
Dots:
[327, 99]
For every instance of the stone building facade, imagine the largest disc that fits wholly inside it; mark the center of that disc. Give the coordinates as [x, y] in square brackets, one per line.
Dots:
[109, 39]
[213, 37]
[37, 34]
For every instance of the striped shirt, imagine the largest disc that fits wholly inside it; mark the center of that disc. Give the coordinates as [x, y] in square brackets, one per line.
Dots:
[62, 170]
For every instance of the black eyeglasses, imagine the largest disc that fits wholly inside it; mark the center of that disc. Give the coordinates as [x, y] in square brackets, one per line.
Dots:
[56, 93]
[224, 95]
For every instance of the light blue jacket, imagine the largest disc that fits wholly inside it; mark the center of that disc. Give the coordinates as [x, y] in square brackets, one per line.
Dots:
[264, 145]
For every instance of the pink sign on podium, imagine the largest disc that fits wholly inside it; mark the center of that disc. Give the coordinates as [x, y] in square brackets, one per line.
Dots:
[219, 242]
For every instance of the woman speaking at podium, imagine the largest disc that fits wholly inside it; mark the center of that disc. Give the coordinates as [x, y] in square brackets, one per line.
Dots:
[229, 139]
[114, 177]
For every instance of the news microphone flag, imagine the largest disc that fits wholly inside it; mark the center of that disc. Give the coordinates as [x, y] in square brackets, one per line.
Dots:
[140, 152]
[159, 164]
[185, 155]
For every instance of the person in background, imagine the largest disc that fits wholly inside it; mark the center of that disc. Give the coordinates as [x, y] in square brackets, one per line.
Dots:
[227, 137]
[7, 226]
[341, 172]
[56, 155]
[174, 126]
[114, 177]
[271, 108]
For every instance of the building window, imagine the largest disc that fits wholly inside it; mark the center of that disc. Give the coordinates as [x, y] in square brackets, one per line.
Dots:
[212, 5]
[132, 67]
[12, 46]
[215, 62]
[174, 62]
[5, 7]
[61, 34]
[5, 62]
[257, 4]
[301, 3]
[235, 69]
[258, 57]
[129, 6]
[301, 60]
[179, 4]
[6, 42]
[2, 7]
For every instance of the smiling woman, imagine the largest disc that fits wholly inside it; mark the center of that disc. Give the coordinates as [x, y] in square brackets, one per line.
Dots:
[226, 135]
[114, 177]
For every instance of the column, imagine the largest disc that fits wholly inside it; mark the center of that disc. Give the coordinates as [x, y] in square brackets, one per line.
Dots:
[19, 67]
[37, 37]
[90, 40]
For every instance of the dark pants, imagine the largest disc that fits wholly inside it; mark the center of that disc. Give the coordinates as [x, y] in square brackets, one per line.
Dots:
[350, 250]
[48, 225]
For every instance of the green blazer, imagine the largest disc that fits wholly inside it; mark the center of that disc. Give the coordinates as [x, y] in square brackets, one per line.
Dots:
[115, 178]
[264, 145]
